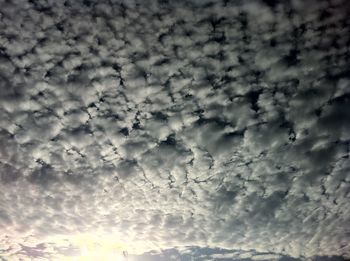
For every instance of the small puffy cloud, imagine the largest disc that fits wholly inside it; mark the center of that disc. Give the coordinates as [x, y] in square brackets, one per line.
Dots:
[215, 129]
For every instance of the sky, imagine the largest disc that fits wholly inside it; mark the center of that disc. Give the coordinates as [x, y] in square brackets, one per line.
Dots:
[174, 130]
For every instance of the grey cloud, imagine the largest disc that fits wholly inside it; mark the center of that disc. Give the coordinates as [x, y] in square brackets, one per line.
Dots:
[183, 125]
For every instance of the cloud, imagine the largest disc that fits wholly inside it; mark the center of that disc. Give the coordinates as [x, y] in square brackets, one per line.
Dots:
[169, 124]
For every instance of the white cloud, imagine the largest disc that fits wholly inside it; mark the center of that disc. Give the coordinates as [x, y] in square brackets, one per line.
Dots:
[154, 125]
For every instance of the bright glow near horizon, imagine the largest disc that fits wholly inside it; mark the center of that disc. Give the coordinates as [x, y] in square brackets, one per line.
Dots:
[97, 248]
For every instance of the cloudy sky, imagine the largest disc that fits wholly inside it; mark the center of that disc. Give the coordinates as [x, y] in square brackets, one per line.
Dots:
[174, 130]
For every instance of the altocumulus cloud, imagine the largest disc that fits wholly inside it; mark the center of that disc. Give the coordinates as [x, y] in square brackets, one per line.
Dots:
[184, 125]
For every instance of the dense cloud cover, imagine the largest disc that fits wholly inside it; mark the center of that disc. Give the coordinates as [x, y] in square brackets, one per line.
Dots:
[167, 124]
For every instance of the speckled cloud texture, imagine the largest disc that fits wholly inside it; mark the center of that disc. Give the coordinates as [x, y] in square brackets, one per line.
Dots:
[169, 124]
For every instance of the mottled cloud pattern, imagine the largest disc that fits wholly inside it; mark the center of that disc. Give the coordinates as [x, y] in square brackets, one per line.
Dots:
[170, 124]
